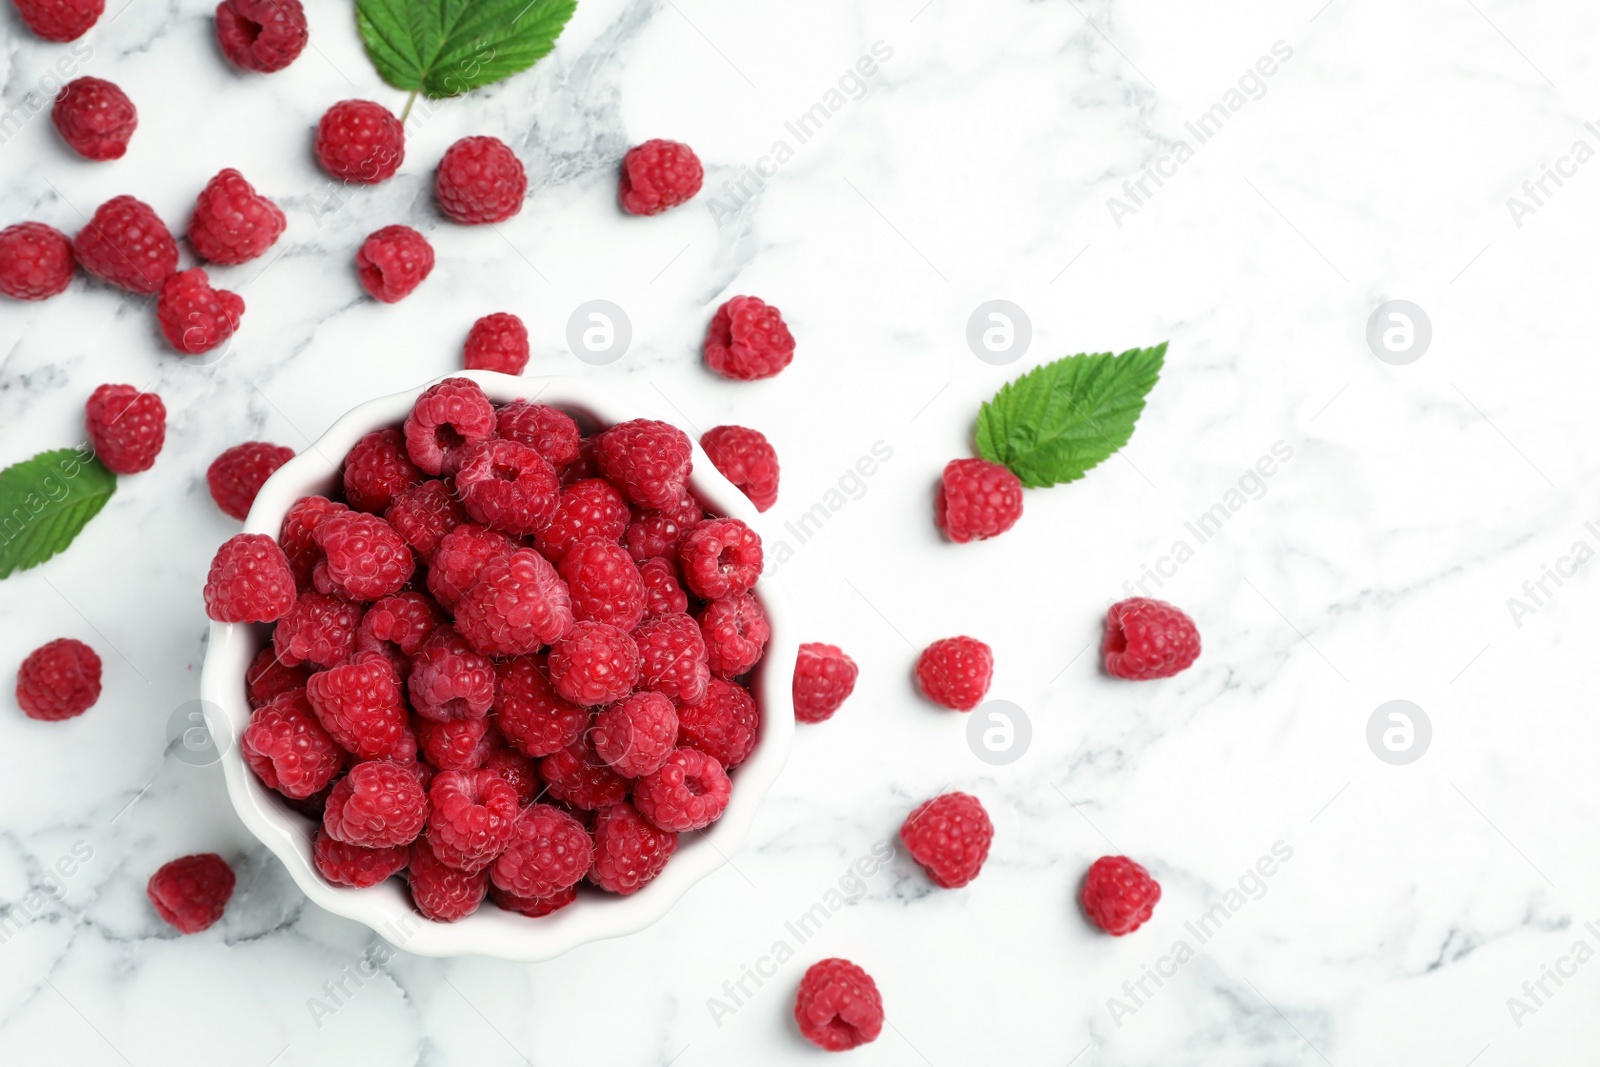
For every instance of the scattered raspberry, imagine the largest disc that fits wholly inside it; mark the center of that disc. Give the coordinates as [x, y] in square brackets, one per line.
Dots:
[657, 175]
[377, 470]
[747, 340]
[976, 500]
[674, 660]
[949, 838]
[36, 261]
[470, 817]
[126, 427]
[628, 852]
[297, 535]
[517, 770]
[662, 593]
[288, 748]
[735, 630]
[823, 677]
[439, 891]
[460, 558]
[533, 907]
[480, 180]
[396, 626]
[594, 663]
[360, 141]
[659, 533]
[838, 1006]
[1118, 895]
[635, 736]
[236, 476]
[955, 672]
[365, 557]
[261, 35]
[449, 680]
[60, 20]
[723, 725]
[358, 703]
[508, 486]
[319, 629]
[456, 745]
[587, 508]
[549, 851]
[747, 459]
[689, 792]
[232, 223]
[191, 893]
[266, 677]
[721, 557]
[517, 606]
[530, 713]
[249, 581]
[423, 514]
[194, 317]
[392, 262]
[497, 342]
[604, 583]
[547, 430]
[647, 460]
[128, 245]
[1148, 639]
[377, 805]
[447, 420]
[354, 866]
[95, 118]
[578, 776]
[60, 680]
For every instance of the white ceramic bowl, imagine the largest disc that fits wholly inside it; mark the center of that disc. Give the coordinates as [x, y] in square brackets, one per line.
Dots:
[387, 908]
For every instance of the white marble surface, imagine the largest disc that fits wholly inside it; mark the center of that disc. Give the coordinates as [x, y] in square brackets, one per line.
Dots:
[1377, 563]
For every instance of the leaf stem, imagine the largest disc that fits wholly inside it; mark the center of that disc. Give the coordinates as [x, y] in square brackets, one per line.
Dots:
[412, 99]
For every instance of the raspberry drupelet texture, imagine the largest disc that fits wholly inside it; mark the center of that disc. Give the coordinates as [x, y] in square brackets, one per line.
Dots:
[59, 680]
[480, 180]
[36, 261]
[366, 558]
[548, 852]
[126, 243]
[604, 583]
[250, 581]
[457, 744]
[1148, 639]
[497, 342]
[838, 1006]
[747, 459]
[236, 476]
[823, 678]
[470, 818]
[287, 747]
[594, 664]
[377, 469]
[735, 631]
[659, 532]
[447, 420]
[662, 593]
[261, 35]
[723, 725]
[360, 141]
[195, 317]
[547, 430]
[266, 677]
[441, 892]
[532, 907]
[955, 672]
[587, 508]
[628, 852]
[448, 680]
[747, 340]
[126, 427]
[460, 558]
[508, 486]
[318, 629]
[673, 658]
[232, 223]
[423, 514]
[531, 715]
[60, 20]
[977, 499]
[392, 262]
[377, 805]
[95, 118]
[297, 535]
[396, 626]
[518, 605]
[689, 792]
[1118, 895]
[517, 770]
[579, 777]
[359, 704]
[648, 460]
[657, 175]
[191, 893]
[949, 838]
[636, 735]
[721, 557]
[354, 866]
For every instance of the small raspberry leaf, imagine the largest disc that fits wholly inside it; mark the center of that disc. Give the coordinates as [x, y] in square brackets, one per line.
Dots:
[1059, 420]
[44, 503]
[449, 47]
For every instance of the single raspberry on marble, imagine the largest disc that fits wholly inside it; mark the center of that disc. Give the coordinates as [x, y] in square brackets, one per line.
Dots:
[447, 420]
[359, 704]
[470, 816]
[823, 677]
[723, 725]
[126, 427]
[578, 776]
[689, 792]
[126, 243]
[297, 535]
[838, 1006]
[657, 175]
[95, 118]
[518, 605]
[232, 223]
[265, 678]
[287, 747]
[648, 460]
[36, 261]
[457, 744]
[587, 508]
[735, 630]
[1147, 638]
[955, 672]
[1118, 895]
[449, 680]
[673, 658]
[547, 430]
[318, 629]
[628, 852]
[377, 469]
[662, 593]
[976, 500]
[460, 558]
[250, 581]
[192, 892]
[58, 680]
[60, 20]
[497, 342]
[354, 866]
[379, 804]
[366, 557]
[441, 892]
[747, 340]
[593, 664]
[261, 35]
[532, 907]
[194, 317]
[636, 735]
[236, 476]
[480, 180]
[549, 851]
[516, 769]
[659, 533]
[531, 715]
[396, 626]
[392, 262]
[360, 141]
[949, 838]
[604, 583]
[423, 514]
[747, 459]
[721, 558]
[508, 486]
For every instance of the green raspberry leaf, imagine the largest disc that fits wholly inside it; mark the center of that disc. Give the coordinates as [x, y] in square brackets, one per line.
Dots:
[1059, 420]
[449, 47]
[44, 503]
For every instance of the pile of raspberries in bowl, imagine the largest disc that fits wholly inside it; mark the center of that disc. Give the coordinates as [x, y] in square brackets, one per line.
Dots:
[492, 668]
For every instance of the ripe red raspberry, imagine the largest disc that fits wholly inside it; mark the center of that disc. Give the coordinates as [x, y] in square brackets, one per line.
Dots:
[59, 680]
[127, 244]
[674, 661]
[508, 486]
[721, 557]
[359, 704]
[36, 261]
[838, 1006]
[949, 838]
[236, 476]
[647, 460]
[192, 892]
[628, 852]
[547, 430]
[517, 606]
[265, 678]
[95, 118]
[659, 533]
[480, 180]
[747, 459]
[470, 816]
[823, 677]
[377, 805]
[516, 769]
[366, 558]
[582, 465]
[1148, 639]
[662, 593]
[288, 748]
[194, 317]
[423, 514]
[393, 261]
[296, 535]
[735, 630]
[449, 680]
[439, 891]
[232, 223]
[723, 725]
[604, 583]
[549, 851]
[249, 581]
[955, 672]
[497, 342]
[531, 715]
[457, 745]
[657, 175]
[126, 427]
[578, 776]
[60, 20]
[976, 500]
[587, 508]
[360, 141]
[395, 628]
[352, 865]
[747, 340]
[636, 735]
[377, 469]
[261, 35]
[447, 420]
[689, 792]
[1118, 895]
[318, 629]
[460, 558]
[594, 664]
